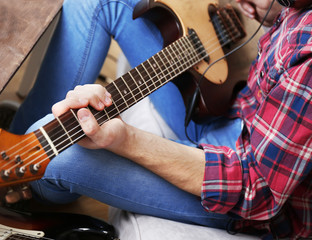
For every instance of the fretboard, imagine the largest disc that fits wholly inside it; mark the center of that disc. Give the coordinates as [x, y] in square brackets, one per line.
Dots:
[127, 90]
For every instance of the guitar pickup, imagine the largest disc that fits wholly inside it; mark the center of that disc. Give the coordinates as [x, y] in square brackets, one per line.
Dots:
[198, 45]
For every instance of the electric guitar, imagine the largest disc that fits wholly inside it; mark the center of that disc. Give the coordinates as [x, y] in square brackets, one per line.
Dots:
[16, 225]
[201, 30]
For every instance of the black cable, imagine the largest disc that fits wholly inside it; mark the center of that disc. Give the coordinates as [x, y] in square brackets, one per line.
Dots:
[191, 106]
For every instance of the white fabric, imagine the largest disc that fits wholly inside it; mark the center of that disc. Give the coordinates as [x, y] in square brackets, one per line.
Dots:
[143, 115]
[130, 226]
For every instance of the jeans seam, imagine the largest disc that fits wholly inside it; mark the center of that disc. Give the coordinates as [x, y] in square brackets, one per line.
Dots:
[86, 52]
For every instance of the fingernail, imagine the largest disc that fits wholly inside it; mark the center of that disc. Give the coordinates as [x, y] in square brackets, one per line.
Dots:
[83, 116]
[108, 100]
[100, 105]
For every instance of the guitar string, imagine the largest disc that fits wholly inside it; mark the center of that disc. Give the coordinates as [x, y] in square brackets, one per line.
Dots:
[161, 83]
[75, 139]
[210, 40]
[170, 66]
[45, 159]
[213, 39]
[47, 152]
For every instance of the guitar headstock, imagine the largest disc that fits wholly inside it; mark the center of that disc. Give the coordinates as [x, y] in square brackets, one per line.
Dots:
[22, 158]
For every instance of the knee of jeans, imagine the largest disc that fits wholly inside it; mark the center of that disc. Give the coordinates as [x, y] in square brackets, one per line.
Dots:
[47, 191]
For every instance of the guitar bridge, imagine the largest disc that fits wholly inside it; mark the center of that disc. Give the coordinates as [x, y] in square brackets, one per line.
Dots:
[227, 24]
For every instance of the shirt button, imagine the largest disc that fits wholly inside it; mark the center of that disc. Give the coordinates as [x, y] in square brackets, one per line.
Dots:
[261, 74]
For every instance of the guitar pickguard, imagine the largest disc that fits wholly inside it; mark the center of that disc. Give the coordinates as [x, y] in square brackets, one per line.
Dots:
[174, 18]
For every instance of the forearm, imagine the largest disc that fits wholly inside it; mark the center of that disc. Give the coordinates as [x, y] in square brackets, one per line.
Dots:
[181, 165]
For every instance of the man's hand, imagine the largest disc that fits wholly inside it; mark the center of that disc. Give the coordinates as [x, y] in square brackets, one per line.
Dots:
[256, 9]
[181, 165]
[108, 135]
[11, 195]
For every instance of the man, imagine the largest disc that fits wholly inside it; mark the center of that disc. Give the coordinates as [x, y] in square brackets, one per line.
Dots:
[254, 179]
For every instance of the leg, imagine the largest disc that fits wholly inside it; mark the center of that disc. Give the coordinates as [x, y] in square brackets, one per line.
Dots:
[121, 183]
[79, 47]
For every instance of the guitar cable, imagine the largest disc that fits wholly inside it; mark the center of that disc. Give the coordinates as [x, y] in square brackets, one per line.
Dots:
[194, 100]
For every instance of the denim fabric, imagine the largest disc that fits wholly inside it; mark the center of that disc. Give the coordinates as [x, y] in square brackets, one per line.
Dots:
[78, 50]
[123, 184]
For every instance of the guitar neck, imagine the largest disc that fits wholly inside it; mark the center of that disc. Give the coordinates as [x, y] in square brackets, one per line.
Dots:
[25, 157]
[127, 90]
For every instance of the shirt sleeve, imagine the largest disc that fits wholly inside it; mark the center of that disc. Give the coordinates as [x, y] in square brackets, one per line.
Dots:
[272, 155]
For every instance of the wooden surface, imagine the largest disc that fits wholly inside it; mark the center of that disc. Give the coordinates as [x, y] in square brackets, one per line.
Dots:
[22, 22]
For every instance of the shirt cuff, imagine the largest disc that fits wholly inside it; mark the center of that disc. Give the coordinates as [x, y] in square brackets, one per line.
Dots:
[223, 179]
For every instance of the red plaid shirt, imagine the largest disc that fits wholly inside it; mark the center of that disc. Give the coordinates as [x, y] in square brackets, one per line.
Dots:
[268, 176]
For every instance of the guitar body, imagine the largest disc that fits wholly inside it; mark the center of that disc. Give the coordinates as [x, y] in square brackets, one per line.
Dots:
[174, 18]
[194, 38]
[60, 226]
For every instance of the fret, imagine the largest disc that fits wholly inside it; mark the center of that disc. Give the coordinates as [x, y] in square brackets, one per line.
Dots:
[166, 63]
[190, 50]
[141, 83]
[177, 57]
[149, 79]
[134, 89]
[172, 62]
[182, 50]
[125, 92]
[106, 115]
[146, 80]
[60, 122]
[153, 73]
[129, 89]
[161, 63]
[112, 112]
[49, 141]
[72, 127]
[125, 102]
[57, 135]
[74, 114]
[149, 75]
[157, 71]
[116, 96]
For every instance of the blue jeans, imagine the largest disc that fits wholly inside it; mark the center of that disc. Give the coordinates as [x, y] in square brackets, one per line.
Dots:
[75, 56]
[121, 183]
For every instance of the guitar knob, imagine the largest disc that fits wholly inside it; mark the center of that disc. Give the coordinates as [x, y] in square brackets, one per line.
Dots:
[20, 171]
[5, 174]
[4, 156]
[34, 168]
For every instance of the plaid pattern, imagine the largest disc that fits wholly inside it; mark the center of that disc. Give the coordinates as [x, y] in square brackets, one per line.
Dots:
[268, 175]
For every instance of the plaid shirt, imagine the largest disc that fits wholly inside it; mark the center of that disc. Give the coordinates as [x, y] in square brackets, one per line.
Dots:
[266, 182]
